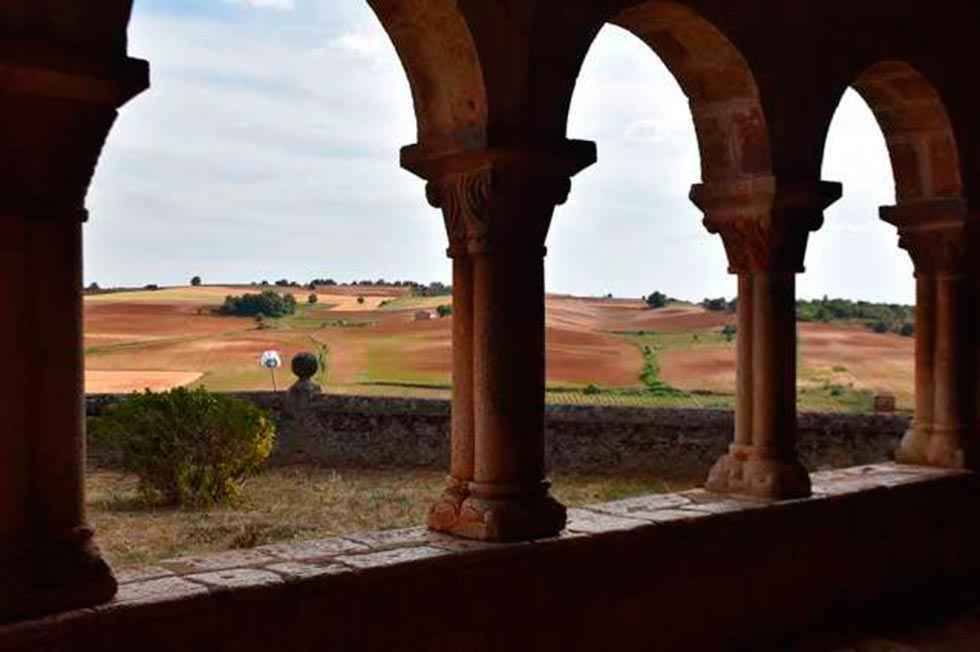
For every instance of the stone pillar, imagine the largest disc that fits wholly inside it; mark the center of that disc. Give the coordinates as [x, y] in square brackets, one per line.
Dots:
[49, 145]
[912, 450]
[444, 514]
[500, 204]
[941, 242]
[765, 228]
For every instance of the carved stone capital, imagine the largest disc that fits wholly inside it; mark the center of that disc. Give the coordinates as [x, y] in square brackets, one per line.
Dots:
[938, 236]
[765, 226]
[497, 207]
[499, 198]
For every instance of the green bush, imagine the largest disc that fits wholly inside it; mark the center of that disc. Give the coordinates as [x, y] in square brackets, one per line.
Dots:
[444, 310]
[269, 303]
[592, 389]
[657, 300]
[188, 447]
[907, 329]
[312, 299]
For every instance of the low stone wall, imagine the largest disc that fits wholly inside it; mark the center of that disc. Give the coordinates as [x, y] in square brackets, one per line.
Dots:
[370, 432]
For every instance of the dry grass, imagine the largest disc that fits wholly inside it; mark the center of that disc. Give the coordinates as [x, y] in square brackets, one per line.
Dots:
[301, 502]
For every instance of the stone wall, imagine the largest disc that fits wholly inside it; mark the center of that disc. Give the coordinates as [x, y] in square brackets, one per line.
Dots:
[358, 432]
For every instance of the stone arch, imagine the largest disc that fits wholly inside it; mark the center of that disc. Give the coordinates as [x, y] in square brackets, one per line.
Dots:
[917, 129]
[439, 56]
[733, 135]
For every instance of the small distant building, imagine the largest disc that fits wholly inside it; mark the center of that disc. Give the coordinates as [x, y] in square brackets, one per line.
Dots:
[884, 403]
[424, 315]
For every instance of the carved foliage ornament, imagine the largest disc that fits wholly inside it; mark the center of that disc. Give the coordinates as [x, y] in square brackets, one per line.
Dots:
[485, 208]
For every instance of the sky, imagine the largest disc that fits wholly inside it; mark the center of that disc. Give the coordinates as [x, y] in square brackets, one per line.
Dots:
[268, 144]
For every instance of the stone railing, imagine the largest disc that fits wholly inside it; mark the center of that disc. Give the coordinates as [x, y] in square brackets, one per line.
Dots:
[358, 431]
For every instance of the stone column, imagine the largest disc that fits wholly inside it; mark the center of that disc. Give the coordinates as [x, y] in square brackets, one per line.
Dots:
[500, 203]
[51, 141]
[765, 229]
[444, 514]
[941, 243]
[912, 449]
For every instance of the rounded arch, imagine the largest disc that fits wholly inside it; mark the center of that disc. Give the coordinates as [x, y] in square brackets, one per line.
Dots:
[917, 129]
[443, 67]
[733, 136]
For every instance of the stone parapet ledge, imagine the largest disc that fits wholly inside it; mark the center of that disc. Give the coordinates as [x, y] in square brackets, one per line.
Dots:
[671, 562]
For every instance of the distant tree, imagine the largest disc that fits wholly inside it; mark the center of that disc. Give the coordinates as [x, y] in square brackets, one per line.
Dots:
[312, 298]
[267, 304]
[715, 305]
[360, 299]
[196, 281]
[880, 327]
[151, 286]
[444, 310]
[729, 332]
[93, 287]
[907, 329]
[609, 296]
[657, 300]
[264, 282]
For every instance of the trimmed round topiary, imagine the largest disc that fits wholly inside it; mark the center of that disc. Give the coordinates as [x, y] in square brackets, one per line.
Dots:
[305, 365]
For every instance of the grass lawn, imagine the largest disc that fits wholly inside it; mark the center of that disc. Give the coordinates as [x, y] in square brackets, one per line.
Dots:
[302, 502]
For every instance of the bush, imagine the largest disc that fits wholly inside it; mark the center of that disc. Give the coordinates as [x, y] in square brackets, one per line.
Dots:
[880, 327]
[907, 329]
[591, 390]
[360, 299]
[268, 303]
[188, 447]
[312, 299]
[444, 310]
[657, 300]
[196, 281]
[729, 332]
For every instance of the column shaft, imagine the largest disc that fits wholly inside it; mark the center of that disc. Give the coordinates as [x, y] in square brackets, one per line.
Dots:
[461, 465]
[15, 460]
[509, 497]
[57, 376]
[949, 377]
[744, 356]
[774, 364]
[915, 442]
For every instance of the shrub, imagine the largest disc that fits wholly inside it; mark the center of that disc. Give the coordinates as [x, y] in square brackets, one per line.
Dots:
[360, 299]
[196, 281]
[907, 329]
[268, 303]
[188, 447]
[312, 298]
[729, 332]
[880, 327]
[444, 310]
[591, 390]
[657, 300]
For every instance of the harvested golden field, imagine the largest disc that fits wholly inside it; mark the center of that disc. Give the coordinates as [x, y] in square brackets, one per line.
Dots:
[171, 337]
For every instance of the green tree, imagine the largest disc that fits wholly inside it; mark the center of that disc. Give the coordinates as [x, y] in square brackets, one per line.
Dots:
[268, 303]
[196, 281]
[444, 310]
[657, 300]
[312, 298]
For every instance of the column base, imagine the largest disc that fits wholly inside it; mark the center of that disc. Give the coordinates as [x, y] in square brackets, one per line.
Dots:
[495, 513]
[444, 515]
[772, 479]
[58, 577]
[939, 448]
[913, 447]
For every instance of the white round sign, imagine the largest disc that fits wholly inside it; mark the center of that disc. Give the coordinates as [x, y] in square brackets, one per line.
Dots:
[270, 360]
